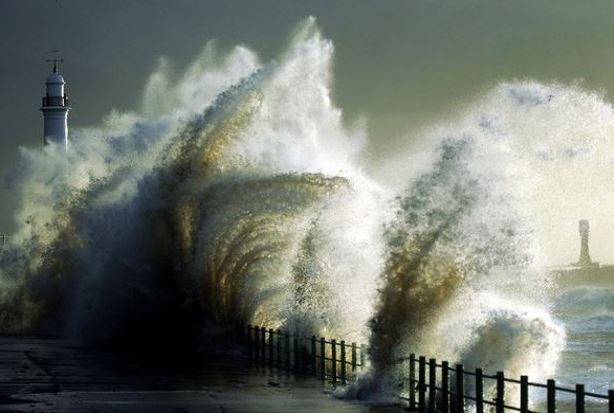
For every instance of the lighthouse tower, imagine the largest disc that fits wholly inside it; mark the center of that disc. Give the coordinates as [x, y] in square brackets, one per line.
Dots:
[55, 109]
[585, 256]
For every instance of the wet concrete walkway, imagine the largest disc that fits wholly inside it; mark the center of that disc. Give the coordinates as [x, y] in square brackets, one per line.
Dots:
[47, 375]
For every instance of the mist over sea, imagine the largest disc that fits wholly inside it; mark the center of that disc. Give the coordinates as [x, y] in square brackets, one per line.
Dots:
[238, 194]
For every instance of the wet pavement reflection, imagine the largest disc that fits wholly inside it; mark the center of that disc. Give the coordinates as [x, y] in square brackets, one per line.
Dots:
[48, 375]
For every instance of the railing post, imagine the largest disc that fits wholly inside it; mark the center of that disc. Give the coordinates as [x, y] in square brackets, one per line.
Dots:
[271, 343]
[524, 394]
[445, 386]
[322, 358]
[257, 343]
[334, 358]
[287, 343]
[279, 338]
[249, 341]
[314, 359]
[263, 345]
[362, 356]
[412, 381]
[353, 358]
[460, 389]
[421, 383]
[579, 398]
[479, 391]
[296, 355]
[343, 365]
[500, 400]
[551, 396]
[611, 400]
[432, 384]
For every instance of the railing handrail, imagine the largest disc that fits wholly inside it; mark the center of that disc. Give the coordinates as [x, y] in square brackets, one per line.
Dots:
[323, 359]
[511, 380]
[327, 358]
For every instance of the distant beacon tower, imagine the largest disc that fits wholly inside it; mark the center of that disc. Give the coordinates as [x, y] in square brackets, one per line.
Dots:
[55, 109]
[585, 257]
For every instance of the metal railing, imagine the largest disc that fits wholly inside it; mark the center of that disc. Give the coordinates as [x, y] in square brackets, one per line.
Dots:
[333, 360]
[4, 239]
[433, 390]
[430, 386]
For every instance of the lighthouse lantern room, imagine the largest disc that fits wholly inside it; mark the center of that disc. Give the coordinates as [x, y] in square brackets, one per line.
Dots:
[55, 109]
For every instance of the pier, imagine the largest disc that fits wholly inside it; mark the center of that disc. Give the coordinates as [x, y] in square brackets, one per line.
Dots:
[286, 372]
[55, 376]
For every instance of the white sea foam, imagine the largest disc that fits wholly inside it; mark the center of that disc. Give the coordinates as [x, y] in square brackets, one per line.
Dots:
[236, 194]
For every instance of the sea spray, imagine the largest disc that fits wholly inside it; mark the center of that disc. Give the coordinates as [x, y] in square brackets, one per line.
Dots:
[441, 247]
[196, 213]
[241, 198]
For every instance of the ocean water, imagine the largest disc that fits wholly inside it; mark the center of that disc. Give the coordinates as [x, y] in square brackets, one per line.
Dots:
[238, 193]
[588, 357]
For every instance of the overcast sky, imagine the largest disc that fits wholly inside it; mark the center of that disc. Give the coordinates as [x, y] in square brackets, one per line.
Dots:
[399, 63]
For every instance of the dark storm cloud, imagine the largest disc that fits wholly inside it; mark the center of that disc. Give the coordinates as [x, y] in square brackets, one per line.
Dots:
[400, 63]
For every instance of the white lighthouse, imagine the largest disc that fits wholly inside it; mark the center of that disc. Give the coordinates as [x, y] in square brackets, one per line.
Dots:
[55, 109]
